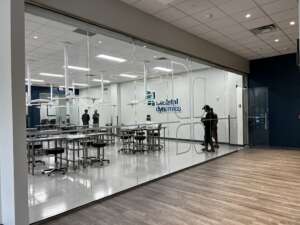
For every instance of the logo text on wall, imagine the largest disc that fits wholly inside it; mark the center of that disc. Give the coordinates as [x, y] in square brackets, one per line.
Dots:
[167, 105]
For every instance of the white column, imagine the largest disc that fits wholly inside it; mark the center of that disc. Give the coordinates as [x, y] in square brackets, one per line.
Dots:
[13, 167]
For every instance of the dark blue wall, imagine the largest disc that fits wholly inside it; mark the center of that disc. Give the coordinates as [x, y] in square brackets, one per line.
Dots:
[282, 77]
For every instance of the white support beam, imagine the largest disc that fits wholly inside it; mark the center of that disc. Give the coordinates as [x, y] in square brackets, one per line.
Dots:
[14, 200]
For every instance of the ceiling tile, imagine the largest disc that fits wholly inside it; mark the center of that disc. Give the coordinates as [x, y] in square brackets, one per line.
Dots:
[194, 6]
[236, 6]
[170, 14]
[279, 5]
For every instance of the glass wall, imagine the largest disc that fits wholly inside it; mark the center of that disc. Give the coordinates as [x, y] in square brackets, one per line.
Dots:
[149, 104]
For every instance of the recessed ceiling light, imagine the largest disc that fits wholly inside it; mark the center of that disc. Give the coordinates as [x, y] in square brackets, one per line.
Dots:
[51, 75]
[79, 68]
[99, 80]
[128, 75]
[209, 16]
[35, 37]
[111, 58]
[99, 42]
[162, 69]
[35, 80]
[276, 40]
[248, 15]
[292, 23]
[80, 84]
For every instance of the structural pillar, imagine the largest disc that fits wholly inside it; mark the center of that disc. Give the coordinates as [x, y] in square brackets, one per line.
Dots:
[13, 169]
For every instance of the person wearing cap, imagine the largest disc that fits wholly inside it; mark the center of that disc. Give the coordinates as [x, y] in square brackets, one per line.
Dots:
[208, 123]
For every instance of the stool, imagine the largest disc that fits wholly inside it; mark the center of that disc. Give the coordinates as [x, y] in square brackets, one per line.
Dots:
[38, 147]
[126, 141]
[55, 152]
[139, 146]
[155, 141]
[100, 157]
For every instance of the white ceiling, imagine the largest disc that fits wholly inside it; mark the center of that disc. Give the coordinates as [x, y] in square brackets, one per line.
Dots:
[44, 44]
[223, 22]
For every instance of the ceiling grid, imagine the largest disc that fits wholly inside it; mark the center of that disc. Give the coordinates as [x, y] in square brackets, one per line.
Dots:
[227, 23]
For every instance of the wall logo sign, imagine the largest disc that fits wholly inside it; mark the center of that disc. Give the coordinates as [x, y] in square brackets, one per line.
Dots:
[167, 105]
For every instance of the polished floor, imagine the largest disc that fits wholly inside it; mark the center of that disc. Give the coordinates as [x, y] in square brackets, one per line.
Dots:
[49, 196]
[250, 187]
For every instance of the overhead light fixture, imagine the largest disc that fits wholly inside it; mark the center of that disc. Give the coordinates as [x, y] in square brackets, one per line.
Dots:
[111, 58]
[128, 75]
[99, 42]
[51, 75]
[62, 86]
[35, 80]
[248, 15]
[162, 69]
[99, 80]
[35, 37]
[209, 15]
[276, 40]
[79, 68]
[80, 84]
[292, 23]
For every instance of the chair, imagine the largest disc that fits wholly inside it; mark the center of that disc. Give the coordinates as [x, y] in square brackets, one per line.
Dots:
[55, 152]
[100, 156]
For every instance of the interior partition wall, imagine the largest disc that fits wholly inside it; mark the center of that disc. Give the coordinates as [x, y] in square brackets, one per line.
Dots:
[132, 84]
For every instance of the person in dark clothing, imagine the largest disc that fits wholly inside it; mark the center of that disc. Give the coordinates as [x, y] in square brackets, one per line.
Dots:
[85, 118]
[96, 118]
[207, 122]
[215, 128]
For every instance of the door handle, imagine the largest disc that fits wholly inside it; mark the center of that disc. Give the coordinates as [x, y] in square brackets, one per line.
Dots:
[266, 121]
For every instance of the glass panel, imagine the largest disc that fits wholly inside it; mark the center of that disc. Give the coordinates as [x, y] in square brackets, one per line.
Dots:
[145, 105]
[258, 117]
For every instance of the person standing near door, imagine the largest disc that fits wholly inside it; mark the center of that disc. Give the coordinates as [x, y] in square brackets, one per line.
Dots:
[207, 122]
[96, 118]
[85, 118]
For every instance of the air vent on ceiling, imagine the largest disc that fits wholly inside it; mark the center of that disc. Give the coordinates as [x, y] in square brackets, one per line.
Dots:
[84, 32]
[91, 75]
[264, 29]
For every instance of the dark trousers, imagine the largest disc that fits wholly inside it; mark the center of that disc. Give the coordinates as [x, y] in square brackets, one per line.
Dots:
[215, 134]
[208, 138]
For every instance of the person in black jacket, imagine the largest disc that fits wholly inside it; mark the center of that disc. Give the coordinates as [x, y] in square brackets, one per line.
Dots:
[215, 128]
[208, 124]
[85, 118]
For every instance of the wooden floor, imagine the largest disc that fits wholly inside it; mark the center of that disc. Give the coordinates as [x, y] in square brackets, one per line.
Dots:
[253, 187]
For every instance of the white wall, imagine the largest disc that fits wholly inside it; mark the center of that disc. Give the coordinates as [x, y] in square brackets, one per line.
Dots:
[214, 87]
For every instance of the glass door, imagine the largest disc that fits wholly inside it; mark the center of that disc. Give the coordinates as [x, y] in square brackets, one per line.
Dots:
[259, 116]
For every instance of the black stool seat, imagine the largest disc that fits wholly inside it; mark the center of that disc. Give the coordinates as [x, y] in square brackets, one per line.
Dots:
[140, 133]
[55, 151]
[140, 138]
[36, 146]
[99, 145]
[125, 137]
